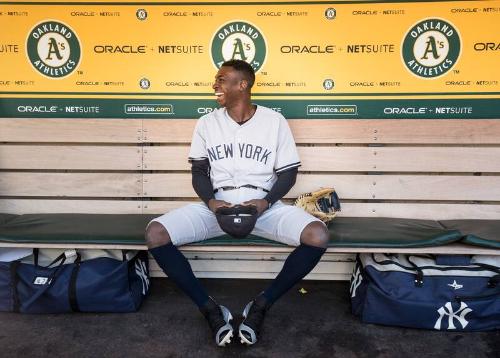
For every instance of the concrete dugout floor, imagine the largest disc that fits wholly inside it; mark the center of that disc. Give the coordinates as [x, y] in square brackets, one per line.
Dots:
[315, 324]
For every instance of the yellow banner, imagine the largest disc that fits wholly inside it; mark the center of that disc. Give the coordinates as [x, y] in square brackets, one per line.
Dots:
[312, 49]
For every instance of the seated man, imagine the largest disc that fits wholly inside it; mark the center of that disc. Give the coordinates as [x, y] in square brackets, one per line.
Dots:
[244, 154]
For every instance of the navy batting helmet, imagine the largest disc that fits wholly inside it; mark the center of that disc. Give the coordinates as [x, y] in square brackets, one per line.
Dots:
[237, 221]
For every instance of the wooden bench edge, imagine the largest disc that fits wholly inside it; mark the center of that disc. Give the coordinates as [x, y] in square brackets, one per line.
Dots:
[444, 249]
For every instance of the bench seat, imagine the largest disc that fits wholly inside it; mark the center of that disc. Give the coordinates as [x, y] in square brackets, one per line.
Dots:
[484, 233]
[347, 234]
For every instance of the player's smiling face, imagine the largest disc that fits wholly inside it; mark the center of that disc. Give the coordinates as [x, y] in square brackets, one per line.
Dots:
[228, 86]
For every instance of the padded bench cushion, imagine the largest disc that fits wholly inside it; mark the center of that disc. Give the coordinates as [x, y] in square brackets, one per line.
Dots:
[389, 232]
[370, 232]
[129, 229]
[6, 217]
[76, 228]
[250, 240]
[124, 229]
[484, 233]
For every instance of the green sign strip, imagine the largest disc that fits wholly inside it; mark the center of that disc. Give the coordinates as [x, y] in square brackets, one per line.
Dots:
[470, 108]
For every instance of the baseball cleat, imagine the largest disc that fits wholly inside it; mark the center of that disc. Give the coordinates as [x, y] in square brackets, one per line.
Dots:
[253, 316]
[219, 318]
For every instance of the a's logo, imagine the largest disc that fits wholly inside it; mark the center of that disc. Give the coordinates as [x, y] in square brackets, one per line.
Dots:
[144, 83]
[328, 84]
[330, 13]
[431, 48]
[141, 14]
[239, 40]
[458, 315]
[142, 271]
[355, 281]
[455, 285]
[53, 49]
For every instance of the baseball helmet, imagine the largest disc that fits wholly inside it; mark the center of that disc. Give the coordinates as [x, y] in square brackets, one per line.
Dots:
[237, 221]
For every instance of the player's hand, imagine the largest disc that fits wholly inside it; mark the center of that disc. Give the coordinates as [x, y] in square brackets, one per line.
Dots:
[261, 204]
[214, 204]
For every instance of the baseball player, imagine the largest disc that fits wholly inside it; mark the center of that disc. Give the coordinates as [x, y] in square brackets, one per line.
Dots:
[243, 154]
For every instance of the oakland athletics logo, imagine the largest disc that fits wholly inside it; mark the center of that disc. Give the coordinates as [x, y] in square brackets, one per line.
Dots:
[53, 49]
[431, 48]
[240, 41]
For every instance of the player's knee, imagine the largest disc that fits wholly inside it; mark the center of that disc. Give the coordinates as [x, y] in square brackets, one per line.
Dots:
[156, 235]
[315, 234]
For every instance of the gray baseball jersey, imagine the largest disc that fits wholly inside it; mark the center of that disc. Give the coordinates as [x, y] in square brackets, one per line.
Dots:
[252, 153]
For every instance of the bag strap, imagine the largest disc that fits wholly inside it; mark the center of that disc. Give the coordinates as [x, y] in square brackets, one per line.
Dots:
[73, 302]
[391, 262]
[51, 280]
[494, 281]
[36, 252]
[419, 276]
[488, 267]
[14, 279]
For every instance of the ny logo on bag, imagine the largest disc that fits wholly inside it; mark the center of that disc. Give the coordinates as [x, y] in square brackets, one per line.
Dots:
[355, 281]
[459, 315]
[142, 272]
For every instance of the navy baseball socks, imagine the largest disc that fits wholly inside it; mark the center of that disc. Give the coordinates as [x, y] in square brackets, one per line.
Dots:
[178, 269]
[298, 264]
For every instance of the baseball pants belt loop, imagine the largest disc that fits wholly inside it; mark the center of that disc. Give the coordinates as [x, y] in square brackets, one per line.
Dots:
[225, 188]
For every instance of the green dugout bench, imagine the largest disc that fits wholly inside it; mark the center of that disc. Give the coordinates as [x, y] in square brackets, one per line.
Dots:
[414, 186]
[127, 231]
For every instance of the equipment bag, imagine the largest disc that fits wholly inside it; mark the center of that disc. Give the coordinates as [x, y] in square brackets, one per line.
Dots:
[9, 258]
[443, 292]
[72, 284]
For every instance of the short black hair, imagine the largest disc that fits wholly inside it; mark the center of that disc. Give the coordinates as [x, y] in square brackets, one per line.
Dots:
[244, 68]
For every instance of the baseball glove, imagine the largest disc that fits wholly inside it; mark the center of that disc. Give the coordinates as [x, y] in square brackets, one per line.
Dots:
[323, 203]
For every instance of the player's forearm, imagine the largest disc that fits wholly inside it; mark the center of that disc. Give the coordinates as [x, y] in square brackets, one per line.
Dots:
[286, 180]
[202, 185]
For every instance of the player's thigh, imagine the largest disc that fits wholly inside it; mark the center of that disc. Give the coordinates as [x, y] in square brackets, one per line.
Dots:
[190, 223]
[283, 223]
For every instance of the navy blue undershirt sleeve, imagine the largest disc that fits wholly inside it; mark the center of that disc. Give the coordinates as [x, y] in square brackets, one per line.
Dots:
[202, 185]
[286, 180]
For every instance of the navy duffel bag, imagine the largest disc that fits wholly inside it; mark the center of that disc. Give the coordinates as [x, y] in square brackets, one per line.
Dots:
[71, 283]
[447, 292]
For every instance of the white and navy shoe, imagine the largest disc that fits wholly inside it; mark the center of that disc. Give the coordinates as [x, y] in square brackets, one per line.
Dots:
[253, 316]
[219, 318]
